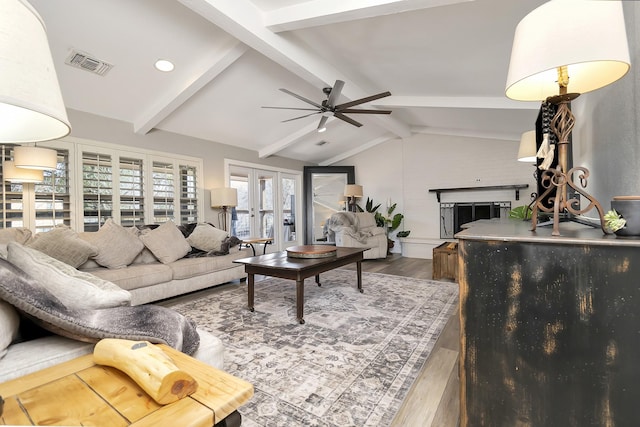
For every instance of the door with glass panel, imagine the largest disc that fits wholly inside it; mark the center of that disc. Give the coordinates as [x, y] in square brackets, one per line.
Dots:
[266, 205]
[290, 191]
[254, 215]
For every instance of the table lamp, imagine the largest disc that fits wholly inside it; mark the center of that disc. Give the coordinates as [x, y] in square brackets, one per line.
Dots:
[560, 50]
[527, 149]
[352, 191]
[31, 106]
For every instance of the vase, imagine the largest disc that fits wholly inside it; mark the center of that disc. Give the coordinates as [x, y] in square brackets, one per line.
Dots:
[629, 208]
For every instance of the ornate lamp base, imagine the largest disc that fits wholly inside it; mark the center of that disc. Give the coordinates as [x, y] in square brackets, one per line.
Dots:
[558, 180]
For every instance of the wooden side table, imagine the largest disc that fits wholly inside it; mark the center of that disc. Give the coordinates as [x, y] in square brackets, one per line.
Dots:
[250, 241]
[445, 261]
[79, 392]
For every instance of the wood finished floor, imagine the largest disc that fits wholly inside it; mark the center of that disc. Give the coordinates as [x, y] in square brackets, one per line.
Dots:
[434, 397]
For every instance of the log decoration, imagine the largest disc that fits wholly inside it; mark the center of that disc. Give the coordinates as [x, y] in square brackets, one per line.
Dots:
[148, 366]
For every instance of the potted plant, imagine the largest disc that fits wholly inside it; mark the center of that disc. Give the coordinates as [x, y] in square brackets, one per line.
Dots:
[624, 217]
[390, 221]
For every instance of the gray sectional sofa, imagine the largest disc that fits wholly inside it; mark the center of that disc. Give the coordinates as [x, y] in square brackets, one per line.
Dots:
[150, 265]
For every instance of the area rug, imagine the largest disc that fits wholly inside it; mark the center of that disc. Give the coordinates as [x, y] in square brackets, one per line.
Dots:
[352, 362]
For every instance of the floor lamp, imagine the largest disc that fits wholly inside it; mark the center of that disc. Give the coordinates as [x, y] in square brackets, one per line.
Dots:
[224, 198]
[560, 50]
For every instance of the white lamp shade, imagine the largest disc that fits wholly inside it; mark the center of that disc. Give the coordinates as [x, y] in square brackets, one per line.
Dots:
[527, 151]
[35, 158]
[31, 106]
[13, 174]
[588, 37]
[353, 190]
[224, 197]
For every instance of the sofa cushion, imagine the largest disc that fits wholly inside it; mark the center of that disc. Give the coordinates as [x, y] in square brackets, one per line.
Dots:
[9, 325]
[145, 257]
[70, 286]
[136, 275]
[62, 243]
[144, 322]
[166, 242]
[16, 234]
[207, 238]
[191, 267]
[117, 246]
[27, 357]
[365, 220]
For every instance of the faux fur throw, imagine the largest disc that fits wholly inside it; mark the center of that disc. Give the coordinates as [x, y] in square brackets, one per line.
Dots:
[145, 322]
[347, 223]
[228, 243]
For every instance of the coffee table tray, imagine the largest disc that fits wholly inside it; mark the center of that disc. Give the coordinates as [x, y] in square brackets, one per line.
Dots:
[311, 251]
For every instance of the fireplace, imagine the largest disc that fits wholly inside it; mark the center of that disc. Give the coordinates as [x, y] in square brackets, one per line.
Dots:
[454, 215]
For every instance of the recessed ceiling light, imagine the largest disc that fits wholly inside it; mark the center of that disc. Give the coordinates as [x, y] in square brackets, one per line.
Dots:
[322, 129]
[164, 65]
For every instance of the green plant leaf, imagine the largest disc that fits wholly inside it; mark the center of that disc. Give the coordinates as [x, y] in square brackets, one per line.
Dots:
[614, 221]
[520, 212]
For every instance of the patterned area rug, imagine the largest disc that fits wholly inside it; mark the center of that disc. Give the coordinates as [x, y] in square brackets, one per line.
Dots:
[350, 364]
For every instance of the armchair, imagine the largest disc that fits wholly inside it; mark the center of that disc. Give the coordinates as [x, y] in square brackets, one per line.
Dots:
[357, 230]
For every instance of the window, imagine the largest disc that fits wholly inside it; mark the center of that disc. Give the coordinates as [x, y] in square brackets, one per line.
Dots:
[40, 206]
[97, 184]
[12, 197]
[94, 181]
[52, 197]
[188, 194]
[163, 192]
[131, 192]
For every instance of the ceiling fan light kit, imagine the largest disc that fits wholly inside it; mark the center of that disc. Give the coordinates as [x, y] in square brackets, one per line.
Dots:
[328, 107]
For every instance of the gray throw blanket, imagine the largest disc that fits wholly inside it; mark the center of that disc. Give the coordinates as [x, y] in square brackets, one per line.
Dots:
[145, 322]
[347, 223]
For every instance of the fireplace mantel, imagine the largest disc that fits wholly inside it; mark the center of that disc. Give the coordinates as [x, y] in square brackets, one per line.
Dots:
[516, 187]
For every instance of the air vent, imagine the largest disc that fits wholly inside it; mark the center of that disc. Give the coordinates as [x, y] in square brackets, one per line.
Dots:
[86, 62]
[321, 143]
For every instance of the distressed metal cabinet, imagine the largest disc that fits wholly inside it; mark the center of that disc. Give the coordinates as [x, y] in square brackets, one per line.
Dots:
[550, 326]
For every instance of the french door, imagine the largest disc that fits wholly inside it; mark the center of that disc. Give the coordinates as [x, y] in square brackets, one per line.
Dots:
[267, 205]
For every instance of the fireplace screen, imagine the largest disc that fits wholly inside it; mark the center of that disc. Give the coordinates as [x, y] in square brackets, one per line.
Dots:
[454, 215]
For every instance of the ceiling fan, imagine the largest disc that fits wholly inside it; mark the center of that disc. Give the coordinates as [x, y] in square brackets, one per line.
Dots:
[329, 108]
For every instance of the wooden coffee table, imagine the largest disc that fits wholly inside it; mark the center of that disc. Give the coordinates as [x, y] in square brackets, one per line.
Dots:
[79, 392]
[280, 265]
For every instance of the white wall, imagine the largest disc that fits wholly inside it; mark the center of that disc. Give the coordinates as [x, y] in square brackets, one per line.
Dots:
[405, 169]
[98, 128]
[606, 138]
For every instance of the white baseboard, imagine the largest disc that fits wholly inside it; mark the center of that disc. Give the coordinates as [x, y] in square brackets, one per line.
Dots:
[419, 247]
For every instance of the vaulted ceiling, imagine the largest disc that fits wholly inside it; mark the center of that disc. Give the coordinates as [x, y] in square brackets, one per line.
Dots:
[445, 63]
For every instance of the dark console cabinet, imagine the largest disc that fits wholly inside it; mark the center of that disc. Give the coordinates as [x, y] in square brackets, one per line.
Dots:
[550, 326]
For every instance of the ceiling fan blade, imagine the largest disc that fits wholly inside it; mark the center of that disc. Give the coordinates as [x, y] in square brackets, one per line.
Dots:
[301, 117]
[301, 98]
[362, 100]
[335, 93]
[347, 119]
[364, 111]
[323, 122]
[292, 108]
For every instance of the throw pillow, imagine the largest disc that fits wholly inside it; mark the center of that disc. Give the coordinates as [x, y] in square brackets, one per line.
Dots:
[9, 325]
[72, 287]
[15, 234]
[63, 244]
[151, 323]
[117, 247]
[206, 237]
[166, 242]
